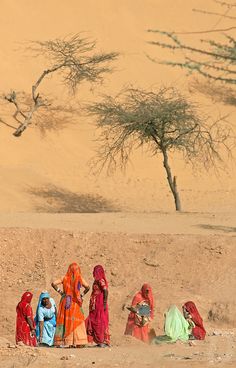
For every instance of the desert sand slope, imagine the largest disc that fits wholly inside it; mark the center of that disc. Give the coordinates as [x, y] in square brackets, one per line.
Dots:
[48, 174]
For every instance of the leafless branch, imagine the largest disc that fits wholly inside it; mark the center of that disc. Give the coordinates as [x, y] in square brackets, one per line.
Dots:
[177, 44]
[224, 3]
[213, 13]
[206, 31]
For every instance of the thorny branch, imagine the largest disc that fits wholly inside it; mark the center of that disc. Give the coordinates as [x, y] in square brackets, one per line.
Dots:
[162, 120]
[76, 61]
[216, 62]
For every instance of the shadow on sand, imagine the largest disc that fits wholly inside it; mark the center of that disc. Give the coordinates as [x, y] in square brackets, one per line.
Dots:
[60, 200]
[225, 229]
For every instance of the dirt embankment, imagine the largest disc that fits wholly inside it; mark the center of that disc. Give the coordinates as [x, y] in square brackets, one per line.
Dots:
[179, 268]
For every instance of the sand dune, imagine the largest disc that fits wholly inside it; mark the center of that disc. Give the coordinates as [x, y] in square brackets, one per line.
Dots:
[61, 159]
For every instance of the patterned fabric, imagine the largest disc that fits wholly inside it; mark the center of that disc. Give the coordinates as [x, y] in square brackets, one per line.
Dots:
[134, 327]
[70, 314]
[24, 310]
[198, 331]
[97, 322]
[98, 287]
[48, 317]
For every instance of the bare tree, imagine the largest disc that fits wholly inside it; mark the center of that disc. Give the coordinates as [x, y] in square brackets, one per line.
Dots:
[164, 122]
[214, 60]
[74, 58]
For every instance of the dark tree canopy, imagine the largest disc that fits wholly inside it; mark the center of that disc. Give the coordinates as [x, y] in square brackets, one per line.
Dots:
[75, 58]
[164, 122]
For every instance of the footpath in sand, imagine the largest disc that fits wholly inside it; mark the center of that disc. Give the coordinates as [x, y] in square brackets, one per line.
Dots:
[183, 256]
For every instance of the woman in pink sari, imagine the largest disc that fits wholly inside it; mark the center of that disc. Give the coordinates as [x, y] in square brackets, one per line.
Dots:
[97, 323]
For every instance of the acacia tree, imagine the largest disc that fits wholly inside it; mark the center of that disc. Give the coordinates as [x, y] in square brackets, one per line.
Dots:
[74, 59]
[213, 60]
[165, 122]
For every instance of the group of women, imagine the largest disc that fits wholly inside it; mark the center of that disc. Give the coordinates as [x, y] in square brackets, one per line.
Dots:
[67, 326]
[178, 326]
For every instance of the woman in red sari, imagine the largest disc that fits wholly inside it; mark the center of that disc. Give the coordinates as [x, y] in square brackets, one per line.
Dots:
[137, 326]
[192, 315]
[97, 323]
[25, 326]
[70, 327]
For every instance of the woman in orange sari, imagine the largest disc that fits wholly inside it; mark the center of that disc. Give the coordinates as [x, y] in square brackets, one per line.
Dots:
[70, 328]
[138, 326]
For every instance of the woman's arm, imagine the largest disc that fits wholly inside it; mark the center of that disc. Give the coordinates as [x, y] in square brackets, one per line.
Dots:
[105, 296]
[86, 288]
[31, 324]
[41, 325]
[55, 286]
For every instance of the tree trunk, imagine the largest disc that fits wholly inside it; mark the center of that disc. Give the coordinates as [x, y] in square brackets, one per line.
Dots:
[171, 181]
[27, 122]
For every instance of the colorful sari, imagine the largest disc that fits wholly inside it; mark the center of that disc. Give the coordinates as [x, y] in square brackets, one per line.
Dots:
[48, 317]
[133, 326]
[24, 311]
[176, 327]
[70, 329]
[97, 322]
[198, 331]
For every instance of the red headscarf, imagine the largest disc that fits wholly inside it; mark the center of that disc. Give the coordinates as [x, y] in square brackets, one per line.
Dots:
[25, 300]
[26, 297]
[99, 273]
[198, 331]
[72, 281]
[143, 296]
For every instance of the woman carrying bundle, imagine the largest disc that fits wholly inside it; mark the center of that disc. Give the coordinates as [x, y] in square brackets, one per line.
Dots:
[138, 322]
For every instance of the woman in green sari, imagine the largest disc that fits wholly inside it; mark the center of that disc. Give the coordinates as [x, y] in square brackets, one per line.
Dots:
[176, 327]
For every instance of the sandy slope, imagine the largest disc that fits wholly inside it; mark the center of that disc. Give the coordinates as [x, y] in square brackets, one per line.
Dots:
[49, 174]
[179, 267]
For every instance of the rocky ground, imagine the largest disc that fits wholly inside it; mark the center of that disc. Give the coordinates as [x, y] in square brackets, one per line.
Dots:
[179, 267]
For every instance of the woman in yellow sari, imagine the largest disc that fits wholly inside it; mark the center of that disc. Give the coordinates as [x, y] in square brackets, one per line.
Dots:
[70, 329]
